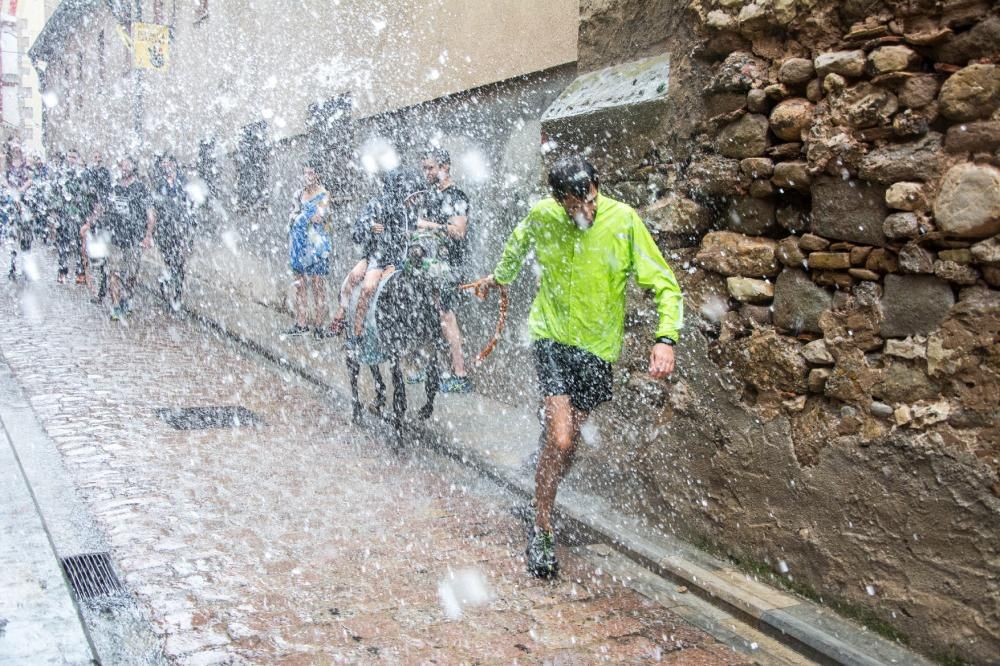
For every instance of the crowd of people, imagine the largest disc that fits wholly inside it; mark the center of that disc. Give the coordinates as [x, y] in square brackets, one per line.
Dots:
[414, 206]
[100, 223]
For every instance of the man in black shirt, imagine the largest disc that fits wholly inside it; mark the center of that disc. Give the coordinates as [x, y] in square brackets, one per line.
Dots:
[448, 216]
[130, 220]
[173, 226]
[97, 179]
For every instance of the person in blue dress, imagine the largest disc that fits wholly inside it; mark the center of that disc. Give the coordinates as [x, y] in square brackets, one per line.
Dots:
[309, 254]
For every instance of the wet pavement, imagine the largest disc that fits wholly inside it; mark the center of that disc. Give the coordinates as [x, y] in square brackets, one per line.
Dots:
[302, 540]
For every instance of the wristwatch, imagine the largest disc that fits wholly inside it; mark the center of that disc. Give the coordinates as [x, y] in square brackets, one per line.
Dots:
[665, 340]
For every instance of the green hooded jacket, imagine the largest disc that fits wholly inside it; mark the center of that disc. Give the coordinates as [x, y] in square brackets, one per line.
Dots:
[581, 294]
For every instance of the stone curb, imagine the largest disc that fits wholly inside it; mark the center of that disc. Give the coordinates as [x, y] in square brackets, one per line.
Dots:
[41, 620]
[806, 627]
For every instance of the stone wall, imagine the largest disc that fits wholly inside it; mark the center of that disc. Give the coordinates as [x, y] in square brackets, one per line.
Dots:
[829, 195]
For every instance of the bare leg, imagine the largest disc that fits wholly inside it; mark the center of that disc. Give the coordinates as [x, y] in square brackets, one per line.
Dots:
[319, 296]
[449, 327]
[562, 433]
[352, 280]
[368, 287]
[300, 300]
[115, 289]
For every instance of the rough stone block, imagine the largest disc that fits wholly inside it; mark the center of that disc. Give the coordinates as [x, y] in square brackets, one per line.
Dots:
[915, 259]
[798, 303]
[791, 118]
[919, 160]
[901, 225]
[848, 210]
[845, 63]
[750, 290]
[918, 91]
[732, 254]
[894, 58]
[907, 196]
[757, 167]
[792, 175]
[816, 353]
[970, 93]
[746, 137]
[842, 281]
[914, 304]
[677, 219]
[796, 71]
[859, 255]
[957, 273]
[829, 261]
[968, 204]
[757, 101]
[882, 261]
[959, 256]
[813, 243]
[864, 274]
[987, 251]
[974, 137]
[817, 379]
[714, 175]
[789, 253]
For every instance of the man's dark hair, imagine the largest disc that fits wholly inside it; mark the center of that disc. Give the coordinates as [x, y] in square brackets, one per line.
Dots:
[572, 176]
[440, 156]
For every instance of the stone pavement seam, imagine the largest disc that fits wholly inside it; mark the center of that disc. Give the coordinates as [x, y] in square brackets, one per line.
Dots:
[838, 641]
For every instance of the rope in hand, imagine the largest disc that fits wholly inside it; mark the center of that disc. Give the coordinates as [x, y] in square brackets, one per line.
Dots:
[481, 291]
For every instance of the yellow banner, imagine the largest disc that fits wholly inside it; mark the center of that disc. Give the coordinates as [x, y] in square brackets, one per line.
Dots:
[151, 46]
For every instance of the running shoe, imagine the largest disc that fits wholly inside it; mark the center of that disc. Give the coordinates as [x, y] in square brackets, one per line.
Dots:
[61, 278]
[297, 330]
[320, 333]
[81, 278]
[416, 377]
[541, 554]
[117, 314]
[456, 385]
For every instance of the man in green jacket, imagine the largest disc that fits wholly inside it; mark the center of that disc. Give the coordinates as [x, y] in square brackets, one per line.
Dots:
[587, 246]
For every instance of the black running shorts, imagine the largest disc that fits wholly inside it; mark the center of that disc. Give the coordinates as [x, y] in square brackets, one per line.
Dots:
[565, 370]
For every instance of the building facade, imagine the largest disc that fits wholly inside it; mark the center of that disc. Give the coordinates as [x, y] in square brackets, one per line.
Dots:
[233, 64]
[20, 96]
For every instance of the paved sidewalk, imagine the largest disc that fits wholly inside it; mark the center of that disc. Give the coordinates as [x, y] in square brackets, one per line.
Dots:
[39, 623]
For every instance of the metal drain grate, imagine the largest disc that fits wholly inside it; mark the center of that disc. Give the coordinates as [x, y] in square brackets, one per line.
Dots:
[91, 575]
[200, 418]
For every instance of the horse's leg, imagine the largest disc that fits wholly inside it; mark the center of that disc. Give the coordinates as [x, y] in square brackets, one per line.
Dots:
[379, 389]
[431, 386]
[353, 369]
[398, 392]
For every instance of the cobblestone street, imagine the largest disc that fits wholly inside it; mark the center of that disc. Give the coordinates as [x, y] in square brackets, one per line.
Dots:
[303, 540]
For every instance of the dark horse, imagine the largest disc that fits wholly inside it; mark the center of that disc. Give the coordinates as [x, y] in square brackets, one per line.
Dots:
[402, 320]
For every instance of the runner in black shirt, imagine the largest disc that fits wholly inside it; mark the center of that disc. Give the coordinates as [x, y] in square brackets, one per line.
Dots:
[130, 220]
[173, 226]
[448, 216]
